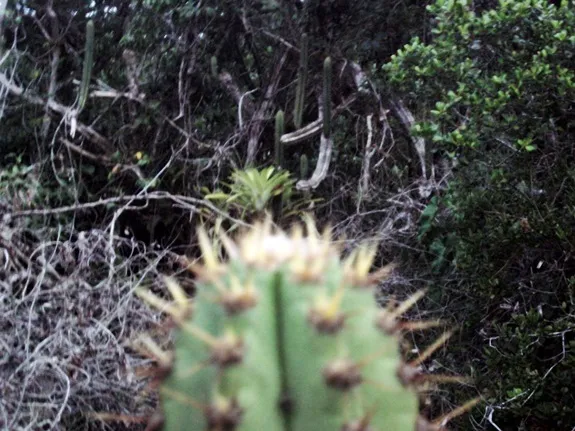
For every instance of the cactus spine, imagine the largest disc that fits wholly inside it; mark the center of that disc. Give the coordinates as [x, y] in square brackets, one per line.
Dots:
[301, 82]
[327, 97]
[285, 336]
[87, 66]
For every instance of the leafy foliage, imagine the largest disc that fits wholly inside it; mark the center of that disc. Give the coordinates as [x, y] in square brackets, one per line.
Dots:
[499, 89]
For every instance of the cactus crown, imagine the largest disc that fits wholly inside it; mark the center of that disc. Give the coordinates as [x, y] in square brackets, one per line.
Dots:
[284, 335]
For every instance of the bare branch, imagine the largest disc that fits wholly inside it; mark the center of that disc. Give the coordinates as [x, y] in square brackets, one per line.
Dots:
[366, 165]
[187, 201]
[131, 61]
[85, 153]
[314, 128]
[234, 90]
[407, 119]
[323, 161]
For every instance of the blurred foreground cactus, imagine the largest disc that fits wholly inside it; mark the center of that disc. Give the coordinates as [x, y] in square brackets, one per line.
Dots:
[285, 335]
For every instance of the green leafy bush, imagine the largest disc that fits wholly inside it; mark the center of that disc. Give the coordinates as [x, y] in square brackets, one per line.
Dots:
[498, 92]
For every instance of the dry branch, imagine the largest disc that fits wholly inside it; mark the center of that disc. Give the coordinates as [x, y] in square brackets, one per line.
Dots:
[322, 167]
[314, 128]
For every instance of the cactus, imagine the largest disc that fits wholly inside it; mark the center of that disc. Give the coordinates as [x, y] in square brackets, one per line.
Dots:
[285, 336]
[214, 66]
[278, 145]
[326, 142]
[277, 204]
[87, 66]
[303, 166]
[301, 82]
[327, 97]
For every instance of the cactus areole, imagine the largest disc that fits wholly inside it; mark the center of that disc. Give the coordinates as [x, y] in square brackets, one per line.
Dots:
[285, 335]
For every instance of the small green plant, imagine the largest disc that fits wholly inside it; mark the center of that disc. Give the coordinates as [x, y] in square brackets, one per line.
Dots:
[252, 190]
[286, 335]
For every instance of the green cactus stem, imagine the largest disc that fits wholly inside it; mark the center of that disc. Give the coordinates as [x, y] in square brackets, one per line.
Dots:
[87, 66]
[327, 97]
[285, 335]
[303, 166]
[301, 82]
[214, 66]
[278, 145]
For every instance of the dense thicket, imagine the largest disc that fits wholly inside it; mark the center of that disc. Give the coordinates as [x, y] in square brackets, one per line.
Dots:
[452, 137]
[499, 239]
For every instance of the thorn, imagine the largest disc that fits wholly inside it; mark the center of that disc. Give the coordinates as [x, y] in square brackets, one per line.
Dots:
[364, 261]
[200, 334]
[182, 398]
[440, 423]
[419, 325]
[230, 246]
[176, 312]
[387, 319]
[114, 417]
[381, 274]
[441, 378]
[431, 349]
[409, 302]
[149, 348]
[208, 253]
[177, 293]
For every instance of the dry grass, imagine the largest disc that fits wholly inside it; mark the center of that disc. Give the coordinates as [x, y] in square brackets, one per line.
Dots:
[67, 315]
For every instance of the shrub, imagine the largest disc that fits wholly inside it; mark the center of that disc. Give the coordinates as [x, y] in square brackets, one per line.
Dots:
[499, 92]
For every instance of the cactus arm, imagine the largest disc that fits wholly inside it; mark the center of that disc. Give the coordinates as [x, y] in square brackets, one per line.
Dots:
[321, 168]
[326, 142]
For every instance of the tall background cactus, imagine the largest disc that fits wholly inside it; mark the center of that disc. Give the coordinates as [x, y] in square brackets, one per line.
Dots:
[303, 166]
[214, 66]
[301, 82]
[87, 66]
[286, 336]
[278, 145]
[326, 141]
[327, 97]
